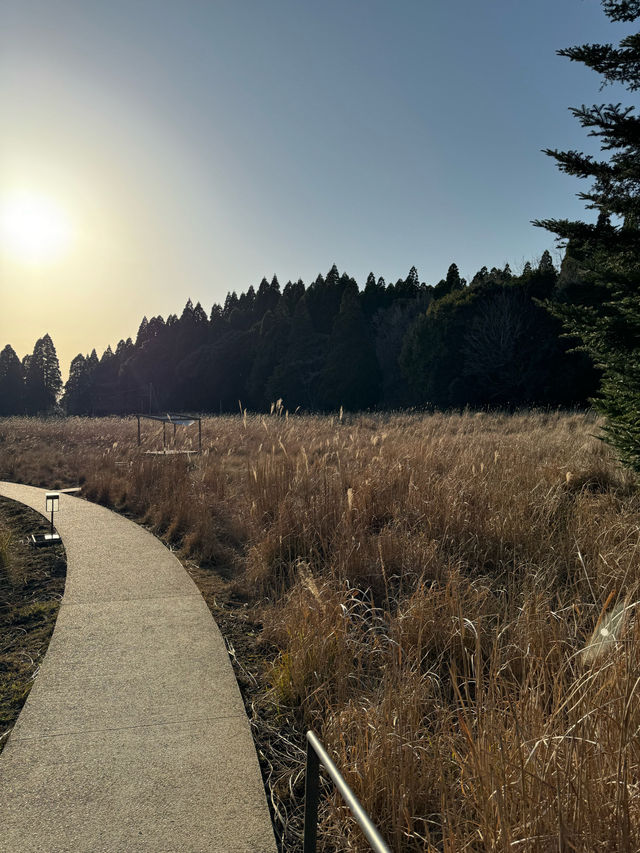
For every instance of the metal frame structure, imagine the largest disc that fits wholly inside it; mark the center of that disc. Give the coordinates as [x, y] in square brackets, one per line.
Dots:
[316, 755]
[176, 419]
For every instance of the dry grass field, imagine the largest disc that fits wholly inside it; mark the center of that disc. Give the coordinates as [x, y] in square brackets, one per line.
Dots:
[448, 600]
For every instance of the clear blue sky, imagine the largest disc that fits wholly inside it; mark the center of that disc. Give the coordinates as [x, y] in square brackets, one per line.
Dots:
[197, 145]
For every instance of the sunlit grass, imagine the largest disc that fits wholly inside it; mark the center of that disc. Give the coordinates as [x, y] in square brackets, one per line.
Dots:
[431, 584]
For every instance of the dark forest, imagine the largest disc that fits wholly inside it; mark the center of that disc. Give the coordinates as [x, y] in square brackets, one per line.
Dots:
[489, 343]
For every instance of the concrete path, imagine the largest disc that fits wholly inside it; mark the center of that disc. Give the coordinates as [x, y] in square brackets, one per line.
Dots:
[134, 736]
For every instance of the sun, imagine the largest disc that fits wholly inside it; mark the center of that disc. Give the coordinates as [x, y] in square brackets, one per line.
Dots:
[34, 229]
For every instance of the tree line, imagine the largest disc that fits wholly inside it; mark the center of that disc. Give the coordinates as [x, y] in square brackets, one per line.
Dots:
[486, 343]
[31, 386]
[541, 337]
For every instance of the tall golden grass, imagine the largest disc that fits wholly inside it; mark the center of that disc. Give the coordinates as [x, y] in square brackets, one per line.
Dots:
[452, 598]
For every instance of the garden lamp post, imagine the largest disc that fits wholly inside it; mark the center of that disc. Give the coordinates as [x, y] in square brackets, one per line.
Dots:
[52, 500]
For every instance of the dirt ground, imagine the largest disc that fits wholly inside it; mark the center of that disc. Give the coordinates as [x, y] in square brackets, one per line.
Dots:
[31, 588]
[278, 732]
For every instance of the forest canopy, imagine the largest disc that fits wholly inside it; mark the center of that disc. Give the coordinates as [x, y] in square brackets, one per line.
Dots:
[317, 347]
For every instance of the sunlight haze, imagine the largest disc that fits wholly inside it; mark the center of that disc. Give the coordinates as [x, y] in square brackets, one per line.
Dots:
[190, 149]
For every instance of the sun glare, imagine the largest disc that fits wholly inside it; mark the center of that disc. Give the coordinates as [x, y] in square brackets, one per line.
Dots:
[34, 229]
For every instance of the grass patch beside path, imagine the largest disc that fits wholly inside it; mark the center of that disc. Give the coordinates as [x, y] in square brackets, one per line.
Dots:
[31, 588]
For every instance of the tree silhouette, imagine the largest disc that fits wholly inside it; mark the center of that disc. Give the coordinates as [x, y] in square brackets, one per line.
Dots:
[449, 284]
[12, 388]
[351, 376]
[77, 391]
[43, 381]
[297, 377]
[330, 345]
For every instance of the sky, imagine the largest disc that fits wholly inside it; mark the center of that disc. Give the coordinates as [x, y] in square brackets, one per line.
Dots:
[153, 151]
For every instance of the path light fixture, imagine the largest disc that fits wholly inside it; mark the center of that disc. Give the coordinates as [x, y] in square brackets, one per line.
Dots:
[52, 504]
[52, 501]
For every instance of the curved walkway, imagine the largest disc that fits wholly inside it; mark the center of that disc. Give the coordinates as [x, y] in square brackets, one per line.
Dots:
[134, 736]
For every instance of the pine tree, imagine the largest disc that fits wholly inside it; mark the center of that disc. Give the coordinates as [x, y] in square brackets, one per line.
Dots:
[390, 326]
[267, 297]
[76, 399]
[449, 284]
[351, 375]
[92, 360]
[271, 348]
[296, 378]
[605, 318]
[142, 332]
[323, 299]
[105, 394]
[291, 295]
[374, 296]
[480, 277]
[546, 264]
[432, 352]
[43, 380]
[230, 303]
[11, 383]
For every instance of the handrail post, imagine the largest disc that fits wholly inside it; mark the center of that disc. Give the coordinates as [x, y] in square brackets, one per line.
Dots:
[316, 755]
[311, 797]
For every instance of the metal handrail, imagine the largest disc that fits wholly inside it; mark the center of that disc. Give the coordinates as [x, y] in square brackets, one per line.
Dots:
[316, 754]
